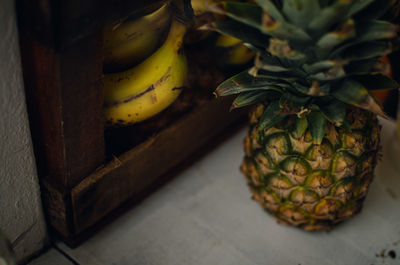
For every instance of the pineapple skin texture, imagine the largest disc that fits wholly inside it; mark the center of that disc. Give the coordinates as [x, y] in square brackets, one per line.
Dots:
[309, 186]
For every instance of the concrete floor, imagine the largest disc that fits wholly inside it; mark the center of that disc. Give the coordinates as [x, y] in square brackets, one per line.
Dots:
[205, 216]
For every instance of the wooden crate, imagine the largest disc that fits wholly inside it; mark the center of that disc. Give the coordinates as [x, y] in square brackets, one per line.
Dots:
[61, 48]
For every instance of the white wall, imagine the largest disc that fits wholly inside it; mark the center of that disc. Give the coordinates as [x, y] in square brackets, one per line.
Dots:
[21, 215]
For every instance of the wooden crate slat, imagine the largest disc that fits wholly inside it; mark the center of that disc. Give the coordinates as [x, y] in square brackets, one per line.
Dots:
[135, 170]
[64, 98]
[57, 206]
[43, 101]
[61, 51]
[82, 96]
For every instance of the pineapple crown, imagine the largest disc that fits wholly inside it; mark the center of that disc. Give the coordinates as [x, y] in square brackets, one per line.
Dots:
[313, 58]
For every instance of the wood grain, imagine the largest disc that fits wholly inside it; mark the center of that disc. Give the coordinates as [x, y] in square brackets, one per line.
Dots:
[64, 95]
[132, 172]
[57, 205]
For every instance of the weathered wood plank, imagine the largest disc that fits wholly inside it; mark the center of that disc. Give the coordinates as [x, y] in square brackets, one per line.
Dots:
[64, 98]
[57, 206]
[82, 108]
[132, 172]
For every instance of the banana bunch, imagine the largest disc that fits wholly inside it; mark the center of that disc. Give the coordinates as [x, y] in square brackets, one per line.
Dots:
[149, 87]
[234, 51]
[131, 41]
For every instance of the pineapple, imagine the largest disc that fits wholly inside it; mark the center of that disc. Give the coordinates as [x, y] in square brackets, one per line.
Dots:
[313, 141]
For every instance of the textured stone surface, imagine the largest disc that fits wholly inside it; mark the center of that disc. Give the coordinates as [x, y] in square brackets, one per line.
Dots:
[51, 257]
[20, 208]
[205, 216]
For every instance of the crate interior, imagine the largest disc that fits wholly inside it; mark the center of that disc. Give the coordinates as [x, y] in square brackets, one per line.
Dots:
[205, 71]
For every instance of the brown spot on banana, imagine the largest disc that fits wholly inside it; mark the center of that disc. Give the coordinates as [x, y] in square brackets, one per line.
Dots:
[153, 97]
[147, 90]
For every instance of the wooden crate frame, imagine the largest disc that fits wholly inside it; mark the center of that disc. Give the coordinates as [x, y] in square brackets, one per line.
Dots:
[61, 50]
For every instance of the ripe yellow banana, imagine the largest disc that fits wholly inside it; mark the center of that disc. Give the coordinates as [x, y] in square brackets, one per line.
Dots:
[148, 88]
[130, 42]
[236, 52]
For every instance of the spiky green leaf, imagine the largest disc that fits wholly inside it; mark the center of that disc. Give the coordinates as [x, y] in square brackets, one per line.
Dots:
[246, 13]
[317, 124]
[270, 63]
[273, 68]
[299, 12]
[324, 3]
[243, 82]
[333, 73]
[329, 16]
[253, 97]
[336, 53]
[269, 7]
[285, 76]
[364, 51]
[315, 90]
[332, 39]
[283, 30]
[282, 49]
[271, 116]
[322, 66]
[368, 33]
[243, 32]
[375, 10]
[334, 111]
[369, 30]
[354, 93]
[357, 6]
[364, 67]
[300, 127]
[377, 82]
[292, 100]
